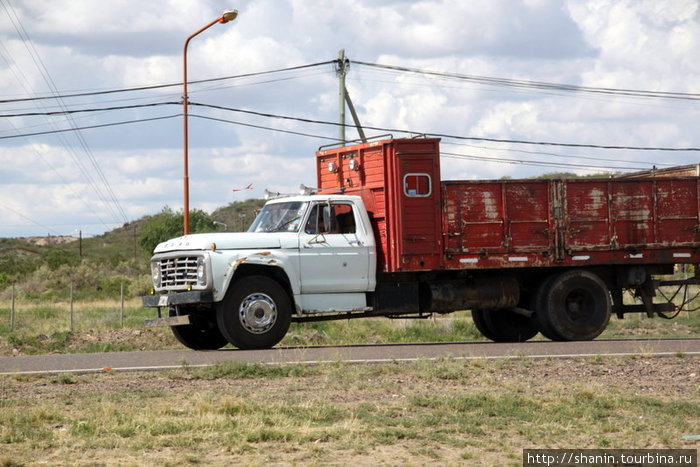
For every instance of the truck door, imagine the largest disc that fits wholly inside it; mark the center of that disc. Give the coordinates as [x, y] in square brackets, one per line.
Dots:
[333, 250]
[417, 240]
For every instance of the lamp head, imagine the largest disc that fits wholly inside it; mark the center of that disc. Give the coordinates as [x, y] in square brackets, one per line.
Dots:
[228, 15]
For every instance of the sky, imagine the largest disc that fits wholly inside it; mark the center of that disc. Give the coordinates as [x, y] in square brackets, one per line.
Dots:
[492, 77]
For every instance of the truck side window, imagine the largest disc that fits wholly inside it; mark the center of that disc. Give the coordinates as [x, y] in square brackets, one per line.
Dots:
[417, 185]
[331, 219]
[315, 223]
[345, 218]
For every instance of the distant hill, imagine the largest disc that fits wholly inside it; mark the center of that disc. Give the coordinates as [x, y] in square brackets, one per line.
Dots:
[238, 215]
[41, 266]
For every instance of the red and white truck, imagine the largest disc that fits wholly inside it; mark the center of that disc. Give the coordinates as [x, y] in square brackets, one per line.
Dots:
[382, 235]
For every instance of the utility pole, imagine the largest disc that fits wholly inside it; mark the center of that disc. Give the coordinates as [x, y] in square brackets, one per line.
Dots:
[343, 98]
[342, 70]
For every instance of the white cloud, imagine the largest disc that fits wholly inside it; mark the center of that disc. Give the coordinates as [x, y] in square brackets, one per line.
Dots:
[637, 44]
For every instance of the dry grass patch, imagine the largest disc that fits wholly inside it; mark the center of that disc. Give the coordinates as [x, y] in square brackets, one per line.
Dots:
[447, 412]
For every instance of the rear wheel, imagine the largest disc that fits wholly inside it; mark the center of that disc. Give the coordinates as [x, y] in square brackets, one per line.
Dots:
[504, 325]
[478, 316]
[574, 305]
[537, 304]
[255, 314]
[201, 334]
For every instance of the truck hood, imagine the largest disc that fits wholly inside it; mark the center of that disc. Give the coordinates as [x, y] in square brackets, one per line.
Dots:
[223, 241]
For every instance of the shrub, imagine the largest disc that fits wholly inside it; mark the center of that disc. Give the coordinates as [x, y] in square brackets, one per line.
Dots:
[55, 258]
[169, 224]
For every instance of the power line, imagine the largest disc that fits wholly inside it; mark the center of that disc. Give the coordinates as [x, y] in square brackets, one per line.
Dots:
[315, 121]
[261, 127]
[446, 154]
[90, 127]
[41, 67]
[495, 81]
[541, 153]
[536, 163]
[323, 122]
[528, 84]
[29, 219]
[96, 109]
[445, 135]
[161, 86]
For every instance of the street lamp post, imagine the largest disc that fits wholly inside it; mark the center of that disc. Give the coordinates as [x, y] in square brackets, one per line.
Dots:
[226, 16]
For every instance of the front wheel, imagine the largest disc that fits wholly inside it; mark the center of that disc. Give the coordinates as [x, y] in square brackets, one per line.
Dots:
[255, 314]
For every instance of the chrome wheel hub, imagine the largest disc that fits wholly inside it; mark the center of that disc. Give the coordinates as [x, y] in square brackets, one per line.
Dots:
[257, 313]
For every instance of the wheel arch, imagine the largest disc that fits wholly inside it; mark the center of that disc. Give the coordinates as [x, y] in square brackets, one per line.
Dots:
[275, 273]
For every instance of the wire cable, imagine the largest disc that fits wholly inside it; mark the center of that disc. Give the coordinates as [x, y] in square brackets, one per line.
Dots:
[96, 109]
[167, 85]
[90, 127]
[260, 127]
[41, 67]
[445, 135]
[536, 84]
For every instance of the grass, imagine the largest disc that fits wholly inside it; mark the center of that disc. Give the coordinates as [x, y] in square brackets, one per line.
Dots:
[421, 413]
[97, 327]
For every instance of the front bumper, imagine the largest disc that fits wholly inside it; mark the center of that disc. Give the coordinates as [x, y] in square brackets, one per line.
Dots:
[179, 298]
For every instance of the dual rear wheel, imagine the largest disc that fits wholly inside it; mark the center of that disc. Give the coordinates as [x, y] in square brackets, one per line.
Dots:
[570, 306]
[504, 325]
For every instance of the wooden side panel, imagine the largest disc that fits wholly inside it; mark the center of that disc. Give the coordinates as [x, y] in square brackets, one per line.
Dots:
[497, 216]
[678, 208]
[474, 216]
[586, 214]
[633, 214]
[629, 214]
[527, 215]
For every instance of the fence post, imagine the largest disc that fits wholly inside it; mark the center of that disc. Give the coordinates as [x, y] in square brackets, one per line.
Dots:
[71, 307]
[122, 296]
[12, 311]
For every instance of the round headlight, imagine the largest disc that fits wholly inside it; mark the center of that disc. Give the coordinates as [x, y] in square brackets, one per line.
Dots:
[201, 271]
[155, 273]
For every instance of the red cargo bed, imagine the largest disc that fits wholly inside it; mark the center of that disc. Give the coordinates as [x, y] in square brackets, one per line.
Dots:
[424, 224]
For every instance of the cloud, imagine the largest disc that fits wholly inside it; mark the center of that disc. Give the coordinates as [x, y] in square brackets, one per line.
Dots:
[52, 181]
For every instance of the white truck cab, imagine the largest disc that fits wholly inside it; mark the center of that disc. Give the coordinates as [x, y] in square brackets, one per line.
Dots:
[303, 255]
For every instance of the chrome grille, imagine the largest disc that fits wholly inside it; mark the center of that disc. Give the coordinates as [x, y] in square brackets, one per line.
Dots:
[178, 272]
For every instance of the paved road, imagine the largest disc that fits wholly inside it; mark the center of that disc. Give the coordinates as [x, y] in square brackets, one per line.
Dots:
[364, 353]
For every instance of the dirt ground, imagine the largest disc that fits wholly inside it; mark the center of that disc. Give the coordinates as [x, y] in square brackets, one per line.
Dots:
[665, 378]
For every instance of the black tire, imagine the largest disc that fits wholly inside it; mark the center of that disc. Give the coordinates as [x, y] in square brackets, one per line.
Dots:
[537, 305]
[510, 326]
[255, 314]
[202, 334]
[574, 306]
[504, 325]
[478, 316]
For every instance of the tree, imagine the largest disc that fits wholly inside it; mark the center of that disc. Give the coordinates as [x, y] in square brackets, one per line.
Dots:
[168, 224]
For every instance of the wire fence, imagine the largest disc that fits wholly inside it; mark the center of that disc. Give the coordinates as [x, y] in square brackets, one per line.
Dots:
[67, 315]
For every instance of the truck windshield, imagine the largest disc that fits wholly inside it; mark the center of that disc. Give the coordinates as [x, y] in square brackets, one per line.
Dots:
[279, 217]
